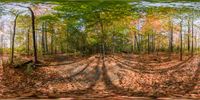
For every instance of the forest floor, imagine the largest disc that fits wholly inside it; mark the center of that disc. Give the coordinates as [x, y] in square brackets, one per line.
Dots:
[115, 76]
[1, 77]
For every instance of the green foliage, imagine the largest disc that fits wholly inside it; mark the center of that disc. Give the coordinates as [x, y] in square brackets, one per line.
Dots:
[84, 26]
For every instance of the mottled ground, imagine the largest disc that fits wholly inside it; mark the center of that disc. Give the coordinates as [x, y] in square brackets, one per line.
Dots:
[1, 76]
[116, 77]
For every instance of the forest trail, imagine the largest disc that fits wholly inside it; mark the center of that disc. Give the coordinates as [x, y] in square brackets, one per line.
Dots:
[96, 78]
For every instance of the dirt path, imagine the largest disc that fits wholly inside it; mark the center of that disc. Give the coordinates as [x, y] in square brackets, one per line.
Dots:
[97, 78]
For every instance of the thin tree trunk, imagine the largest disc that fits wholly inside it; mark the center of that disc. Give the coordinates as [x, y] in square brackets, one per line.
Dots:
[34, 37]
[148, 44]
[181, 45]
[102, 39]
[153, 43]
[52, 41]
[192, 51]
[102, 36]
[172, 32]
[46, 42]
[13, 38]
[43, 39]
[188, 36]
[138, 43]
[28, 43]
[171, 38]
[2, 44]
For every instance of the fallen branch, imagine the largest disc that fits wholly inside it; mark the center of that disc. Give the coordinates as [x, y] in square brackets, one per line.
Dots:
[24, 64]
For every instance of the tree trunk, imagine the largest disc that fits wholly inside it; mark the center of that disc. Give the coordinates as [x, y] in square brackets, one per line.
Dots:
[137, 43]
[192, 51]
[188, 36]
[172, 32]
[181, 44]
[28, 43]
[46, 42]
[148, 44]
[2, 44]
[13, 38]
[43, 39]
[171, 38]
[52, 41]
[34, 37]
[102, 40]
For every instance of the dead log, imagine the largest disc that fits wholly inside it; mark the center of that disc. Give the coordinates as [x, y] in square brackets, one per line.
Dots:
[23, 64]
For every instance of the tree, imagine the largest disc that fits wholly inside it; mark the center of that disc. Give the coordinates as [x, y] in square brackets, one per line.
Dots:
[16, 14]
[181, 41]
[192, 51]
[33, 33]
[188, 35]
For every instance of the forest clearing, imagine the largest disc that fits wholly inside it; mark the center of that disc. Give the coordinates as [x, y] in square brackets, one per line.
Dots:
[121, 50]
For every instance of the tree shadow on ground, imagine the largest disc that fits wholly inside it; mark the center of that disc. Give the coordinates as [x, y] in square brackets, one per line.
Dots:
[187, 86]
[119, 90]
[60, 63]
[70, 77]
[110, 86]
[195, 80]
[148, 70]
[80, 92]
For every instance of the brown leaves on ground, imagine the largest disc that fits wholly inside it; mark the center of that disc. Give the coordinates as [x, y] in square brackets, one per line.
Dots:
[1, 78]
[114, 76]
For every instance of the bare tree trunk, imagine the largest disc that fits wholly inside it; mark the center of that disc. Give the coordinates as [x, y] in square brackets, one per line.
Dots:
[192, 51]
[181, 44]
[2, 44]
[148, 44]
[28, 43]
[188, 36]
[102, 40]
[46, 42]
[138, 43]
[171, 38]
[52, 41]
[113, 45]
[43, 39]
[102, 37]
[153, 43]
[34, 37]
[13, 38]
[172, 33]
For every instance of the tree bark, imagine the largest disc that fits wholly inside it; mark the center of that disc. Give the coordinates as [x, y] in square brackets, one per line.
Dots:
[181, 44]
[13, 38]
[148, 44]
[188, 35]
[28, 43]
[46, 42]
[52, 41]
[34, 37]
[43, 39]
[170, 37]
[192, 51]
